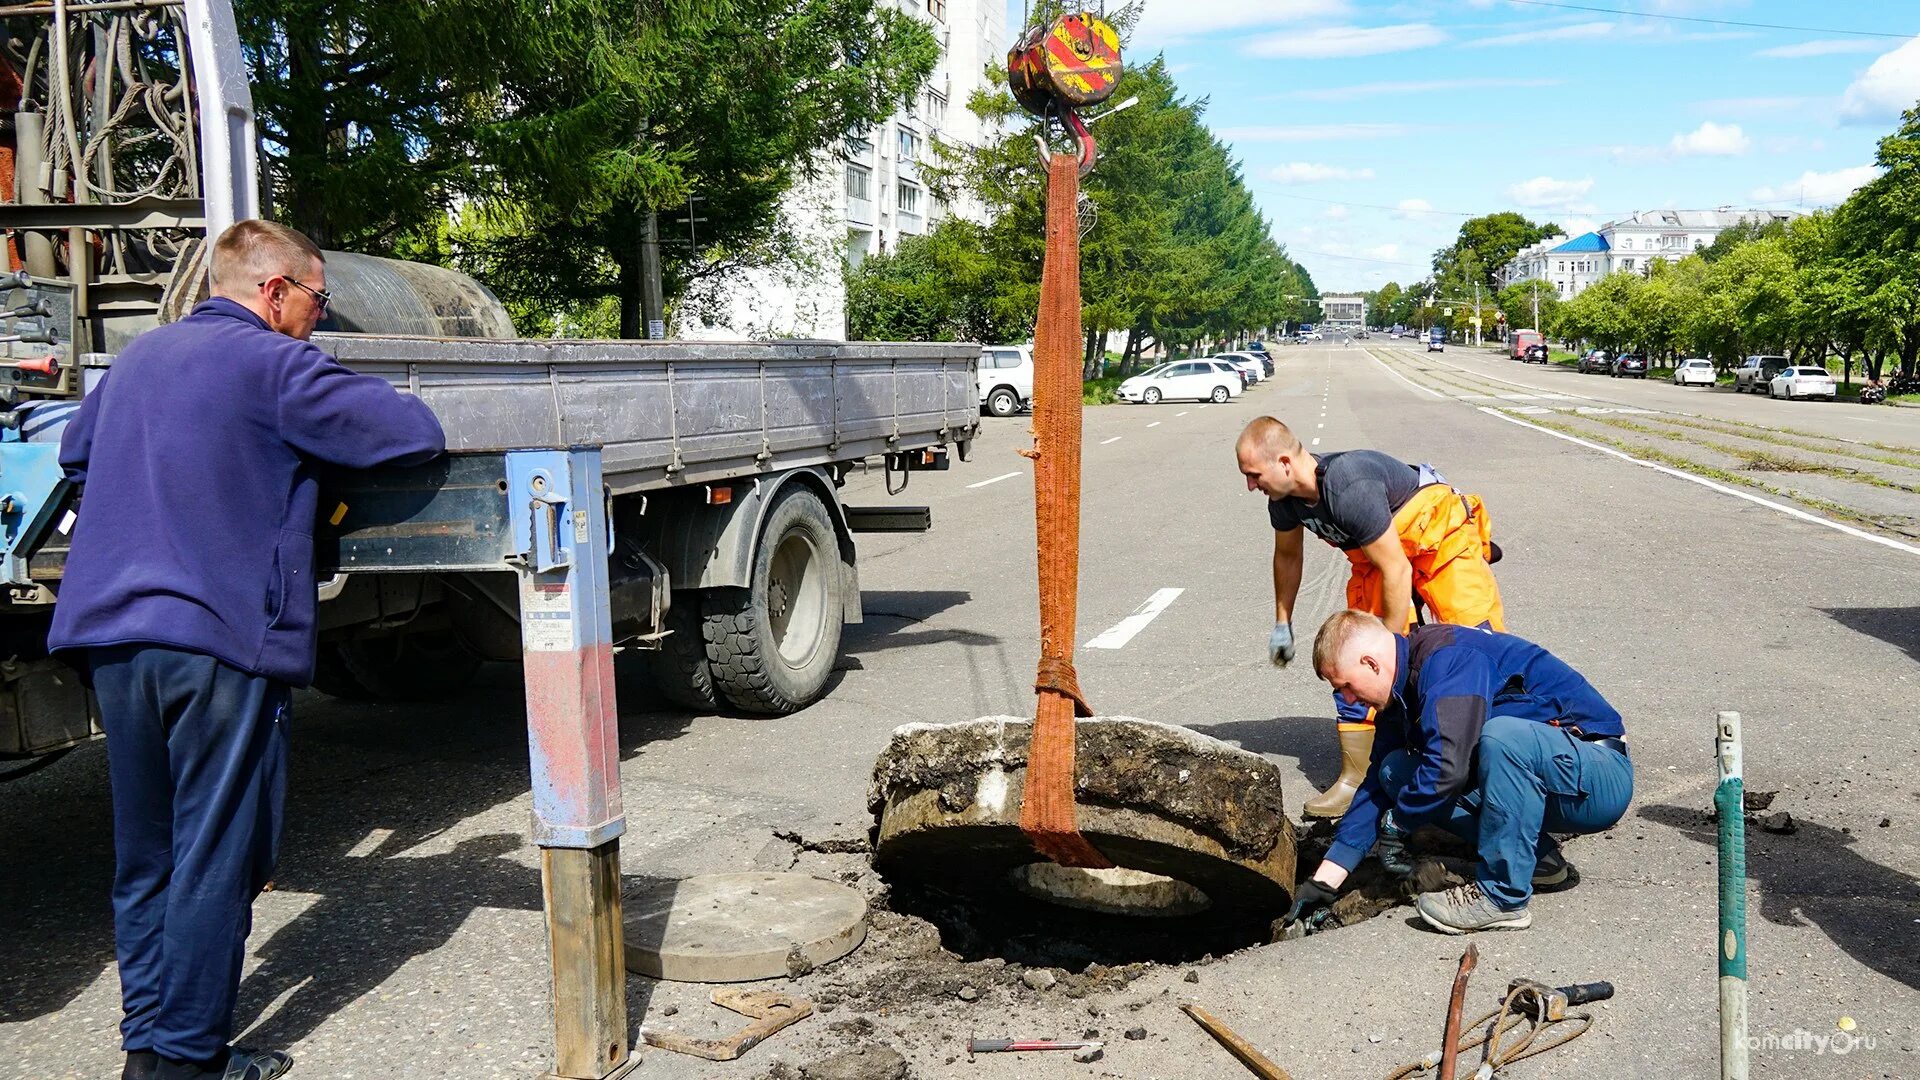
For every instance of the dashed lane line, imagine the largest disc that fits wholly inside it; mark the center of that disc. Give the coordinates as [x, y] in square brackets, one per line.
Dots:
[995, 480]
[1105, 442]
[1123, 631]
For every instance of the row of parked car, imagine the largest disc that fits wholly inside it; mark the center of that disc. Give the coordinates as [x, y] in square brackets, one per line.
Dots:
[1774, 376]
[1218, 379]
[1006, 378]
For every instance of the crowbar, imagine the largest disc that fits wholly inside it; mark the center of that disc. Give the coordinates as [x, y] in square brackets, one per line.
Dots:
[1237, 1046]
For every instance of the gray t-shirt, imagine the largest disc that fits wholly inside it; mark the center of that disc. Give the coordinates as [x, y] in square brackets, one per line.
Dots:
[1360, 491]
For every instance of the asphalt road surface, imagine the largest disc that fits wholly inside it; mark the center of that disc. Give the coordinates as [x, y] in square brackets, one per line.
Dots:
[403, 938]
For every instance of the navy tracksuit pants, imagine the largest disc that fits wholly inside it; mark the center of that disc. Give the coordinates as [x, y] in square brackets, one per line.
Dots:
[197, 753]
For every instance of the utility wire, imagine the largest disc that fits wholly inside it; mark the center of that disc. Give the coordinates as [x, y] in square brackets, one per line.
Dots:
[1711, 22]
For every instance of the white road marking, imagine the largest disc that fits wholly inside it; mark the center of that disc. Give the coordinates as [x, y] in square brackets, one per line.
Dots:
[369, 843]
[995, 480]
[1319, 425]
[1156, 423]
[1790, 511]
[1203, 408]
[1105, 442]
[1124, 630]
[1179, 414]
[1316, 442]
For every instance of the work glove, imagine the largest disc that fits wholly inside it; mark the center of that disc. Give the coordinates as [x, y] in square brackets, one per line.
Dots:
[1391, 848]
[1311, 897]
[1280, 645]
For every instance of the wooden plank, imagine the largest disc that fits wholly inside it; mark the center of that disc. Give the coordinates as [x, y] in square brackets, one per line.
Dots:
[586, 943]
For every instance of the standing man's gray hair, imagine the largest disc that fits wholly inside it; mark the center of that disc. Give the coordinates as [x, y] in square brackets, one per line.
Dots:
[253, 250]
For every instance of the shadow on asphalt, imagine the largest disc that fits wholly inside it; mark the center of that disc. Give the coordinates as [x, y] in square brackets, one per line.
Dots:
[1311, 739]
[888, 614]
[1813, 876]
[1897, 626]
[369, 783]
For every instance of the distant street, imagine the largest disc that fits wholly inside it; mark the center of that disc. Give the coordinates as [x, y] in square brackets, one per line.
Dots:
[404, 935]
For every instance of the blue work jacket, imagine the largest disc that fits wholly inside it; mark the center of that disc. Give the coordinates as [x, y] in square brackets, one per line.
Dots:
[199, 456]
[1448, 681]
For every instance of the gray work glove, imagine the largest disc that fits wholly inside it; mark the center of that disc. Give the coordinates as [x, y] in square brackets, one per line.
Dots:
[1391, 848]
[1311, 897]
[1280, 645]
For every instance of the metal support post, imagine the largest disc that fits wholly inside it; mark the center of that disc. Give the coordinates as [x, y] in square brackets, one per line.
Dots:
[560, 530]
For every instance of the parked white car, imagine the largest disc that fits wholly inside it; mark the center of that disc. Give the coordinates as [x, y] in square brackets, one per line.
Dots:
[1006, 378]
[1803, 382]
[1201, 380]
[1694, 371]
[1254, 369]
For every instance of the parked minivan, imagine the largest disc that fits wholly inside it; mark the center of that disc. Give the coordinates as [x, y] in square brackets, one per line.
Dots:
[1756, 372]
[1006, 378]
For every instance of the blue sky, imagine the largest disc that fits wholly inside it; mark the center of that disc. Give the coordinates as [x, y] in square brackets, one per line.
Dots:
[1370, 130]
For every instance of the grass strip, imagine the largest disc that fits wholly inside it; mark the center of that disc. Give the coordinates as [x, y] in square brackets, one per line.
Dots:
[1714, 472]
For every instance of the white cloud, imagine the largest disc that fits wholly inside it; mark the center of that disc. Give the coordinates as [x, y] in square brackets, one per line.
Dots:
[1824, 47]
[1338, 212]
[1361, 90]
[1571, 32]
[1313, 132]
[1891, 84]
[1578, 226]
[1163, 22]
[1819, 189]
[1333, 41]
[1309, 172]
[1412, 209]
[1712, 140]
[1546, 193]
[1384, 252]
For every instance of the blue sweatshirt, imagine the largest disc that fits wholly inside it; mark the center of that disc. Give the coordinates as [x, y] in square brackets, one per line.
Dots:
[1448, 680]
[200, 454]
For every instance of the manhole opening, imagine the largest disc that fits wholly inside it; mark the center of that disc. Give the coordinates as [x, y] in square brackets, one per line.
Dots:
[1008, 924]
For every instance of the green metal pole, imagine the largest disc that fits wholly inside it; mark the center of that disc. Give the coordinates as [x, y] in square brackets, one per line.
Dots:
[1727, 802]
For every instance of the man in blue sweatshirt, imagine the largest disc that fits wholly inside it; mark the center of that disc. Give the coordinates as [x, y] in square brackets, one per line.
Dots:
[189, 601]
[1484, 734]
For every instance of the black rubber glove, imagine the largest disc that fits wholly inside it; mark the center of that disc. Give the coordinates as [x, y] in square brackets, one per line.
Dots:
[1313, 896]
[1391, 848]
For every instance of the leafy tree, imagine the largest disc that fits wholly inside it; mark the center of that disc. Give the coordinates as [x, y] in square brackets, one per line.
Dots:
[939, 287]
[1483, 246]
[1520, 299]
[559, 125]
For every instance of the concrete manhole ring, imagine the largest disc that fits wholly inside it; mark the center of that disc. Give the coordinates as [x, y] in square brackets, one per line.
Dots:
[1161, 801]
[722, 928]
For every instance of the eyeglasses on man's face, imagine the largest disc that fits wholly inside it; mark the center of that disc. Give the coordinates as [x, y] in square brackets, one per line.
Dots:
[321, 297]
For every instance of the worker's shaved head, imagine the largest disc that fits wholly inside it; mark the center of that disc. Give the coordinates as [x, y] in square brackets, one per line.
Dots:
[252, 251]
[1269, 436]
[1343, 632]
[1271, 458]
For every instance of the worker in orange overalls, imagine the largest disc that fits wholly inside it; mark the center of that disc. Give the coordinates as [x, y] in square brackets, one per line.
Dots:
[1404, 529]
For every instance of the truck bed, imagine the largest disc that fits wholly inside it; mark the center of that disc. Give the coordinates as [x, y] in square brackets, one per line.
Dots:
[668, 413]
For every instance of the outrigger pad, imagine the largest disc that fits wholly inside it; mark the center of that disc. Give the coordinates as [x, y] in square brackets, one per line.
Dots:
[1152, 797]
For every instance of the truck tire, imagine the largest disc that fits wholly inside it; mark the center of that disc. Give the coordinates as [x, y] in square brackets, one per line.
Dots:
[431, 665]
[772, 646]
[678, 669]
[331, 677]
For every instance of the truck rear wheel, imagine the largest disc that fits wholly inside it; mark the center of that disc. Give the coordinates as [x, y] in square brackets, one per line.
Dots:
[430, 665]
[771, 646]
[678, 669]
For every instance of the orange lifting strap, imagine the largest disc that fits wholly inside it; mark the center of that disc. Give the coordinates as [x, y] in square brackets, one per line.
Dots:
[1047, 808]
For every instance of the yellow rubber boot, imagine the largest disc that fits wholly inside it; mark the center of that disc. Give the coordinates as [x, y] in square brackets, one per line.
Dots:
[1356, 749]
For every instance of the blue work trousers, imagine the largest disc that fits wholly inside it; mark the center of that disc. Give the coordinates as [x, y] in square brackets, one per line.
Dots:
[1530, 779]
[197, 754]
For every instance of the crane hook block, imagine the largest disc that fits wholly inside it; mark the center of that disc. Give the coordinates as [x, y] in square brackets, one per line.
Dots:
[1072, 62]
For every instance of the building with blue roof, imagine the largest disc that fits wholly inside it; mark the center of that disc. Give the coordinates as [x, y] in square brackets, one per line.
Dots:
[1570, 264]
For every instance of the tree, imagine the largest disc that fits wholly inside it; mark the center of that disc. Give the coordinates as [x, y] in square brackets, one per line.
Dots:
[1483, 246]
[560, 125]
[939, 287]
[1877, 229]
[1520, 299]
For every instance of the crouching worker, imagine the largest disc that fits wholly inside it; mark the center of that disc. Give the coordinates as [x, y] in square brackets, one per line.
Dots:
[1484, 734]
